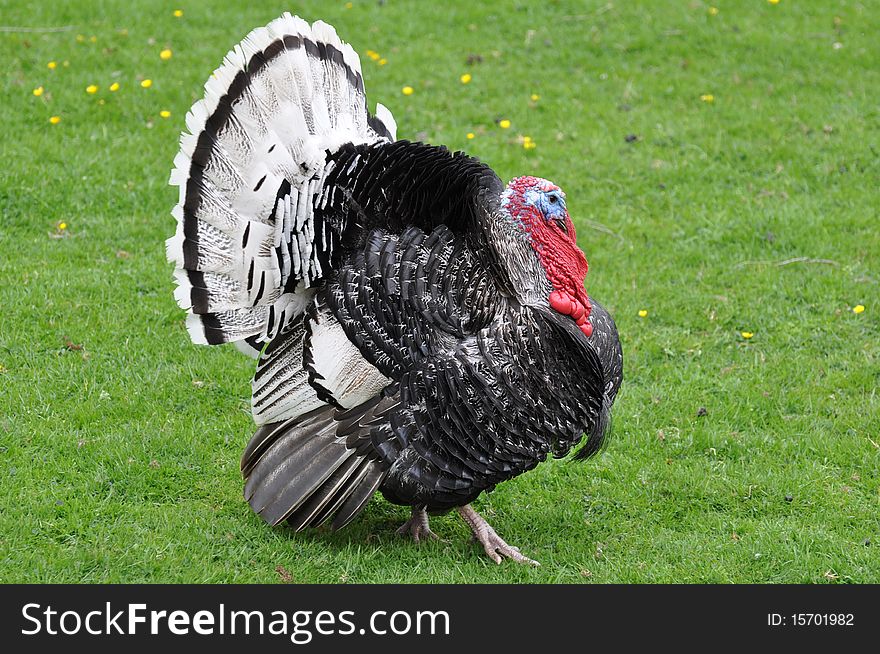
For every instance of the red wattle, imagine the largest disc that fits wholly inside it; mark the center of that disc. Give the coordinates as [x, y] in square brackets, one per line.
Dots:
[560, 303]
[579, 312]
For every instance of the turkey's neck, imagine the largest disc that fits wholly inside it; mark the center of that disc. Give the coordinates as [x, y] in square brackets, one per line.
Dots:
[516, 262]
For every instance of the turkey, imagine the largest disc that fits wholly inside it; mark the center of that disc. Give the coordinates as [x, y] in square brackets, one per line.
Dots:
[421, 328]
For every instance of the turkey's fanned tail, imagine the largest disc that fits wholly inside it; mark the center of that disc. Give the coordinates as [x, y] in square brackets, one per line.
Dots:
[248, 248]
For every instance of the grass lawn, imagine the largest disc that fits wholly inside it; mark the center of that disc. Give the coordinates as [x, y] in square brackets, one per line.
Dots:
[721, 167]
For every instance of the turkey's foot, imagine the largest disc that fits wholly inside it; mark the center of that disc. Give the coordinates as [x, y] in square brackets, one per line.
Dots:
[493, 543]
[417, 526]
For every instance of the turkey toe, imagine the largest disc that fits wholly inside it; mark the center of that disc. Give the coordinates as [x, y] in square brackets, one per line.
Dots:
[492, 543]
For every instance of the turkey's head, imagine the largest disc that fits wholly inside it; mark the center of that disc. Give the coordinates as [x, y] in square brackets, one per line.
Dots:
[538, 207]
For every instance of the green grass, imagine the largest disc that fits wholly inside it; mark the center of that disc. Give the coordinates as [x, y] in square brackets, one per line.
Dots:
[119, 461]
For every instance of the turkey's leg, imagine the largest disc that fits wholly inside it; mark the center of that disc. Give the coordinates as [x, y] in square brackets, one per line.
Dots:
[417, 526]
[493, 543]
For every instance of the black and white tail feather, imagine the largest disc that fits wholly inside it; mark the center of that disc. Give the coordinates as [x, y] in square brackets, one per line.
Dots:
[250, 171]
[249, 254]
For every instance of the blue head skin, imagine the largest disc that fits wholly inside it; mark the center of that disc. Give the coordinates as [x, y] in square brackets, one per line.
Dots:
[551, 204]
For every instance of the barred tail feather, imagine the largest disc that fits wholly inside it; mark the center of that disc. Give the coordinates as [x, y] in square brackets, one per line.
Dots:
[247, 248]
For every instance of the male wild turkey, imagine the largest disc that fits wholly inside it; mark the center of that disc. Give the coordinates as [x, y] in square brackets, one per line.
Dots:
[421, 329]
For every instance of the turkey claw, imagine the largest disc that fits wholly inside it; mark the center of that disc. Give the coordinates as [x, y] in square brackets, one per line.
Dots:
[492, 543]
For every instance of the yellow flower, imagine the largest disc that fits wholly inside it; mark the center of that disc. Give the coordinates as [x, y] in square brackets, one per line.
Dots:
[38, 91]
[535, 97]
[643, 313]
[165, 113]
[52, 65]
[178, 13]
[80, 38]
[93, 39]
[349, 5]
[773, 2]
[147, 83]
[466, 78]
[114, 86]
[372, 54]
[407, 90]
[55, 120]
[165, 55]
[383, 61]
[528, 143]
[713, 11]
[504, 124]
[471, 136]
[746, 335]
[62, 226]
[859, 308]
[707, 97]
[91, 89]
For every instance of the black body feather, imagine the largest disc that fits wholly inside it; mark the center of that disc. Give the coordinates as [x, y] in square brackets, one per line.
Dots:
[482, 387]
